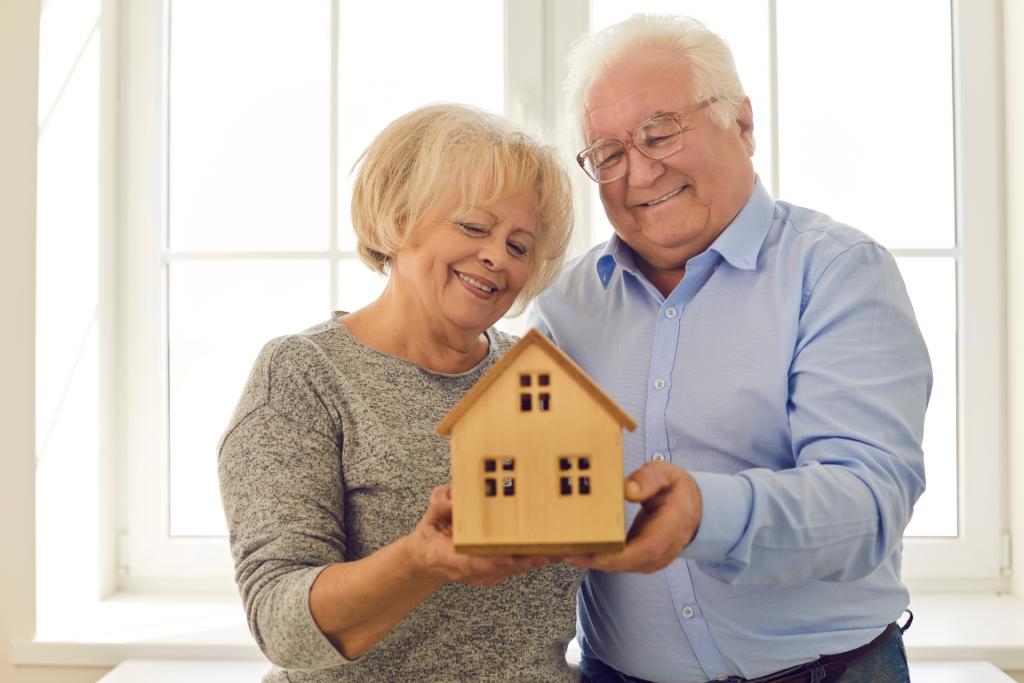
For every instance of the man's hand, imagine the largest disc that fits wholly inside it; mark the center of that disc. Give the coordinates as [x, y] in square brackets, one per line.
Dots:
[668, 520]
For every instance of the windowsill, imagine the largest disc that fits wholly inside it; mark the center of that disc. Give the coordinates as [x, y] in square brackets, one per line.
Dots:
[143, 626]
[967, 627]
[946, 628]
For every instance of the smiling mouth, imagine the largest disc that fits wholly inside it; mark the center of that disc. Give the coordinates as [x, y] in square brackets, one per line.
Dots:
[479, 285]
[671, 194]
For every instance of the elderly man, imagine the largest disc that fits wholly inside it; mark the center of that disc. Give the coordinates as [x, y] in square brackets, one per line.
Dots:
[773, 362]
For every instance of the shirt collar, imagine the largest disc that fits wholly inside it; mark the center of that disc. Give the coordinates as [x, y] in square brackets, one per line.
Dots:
[738, 244]
[616, 252]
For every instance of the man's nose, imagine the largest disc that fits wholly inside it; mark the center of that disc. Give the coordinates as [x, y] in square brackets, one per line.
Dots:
[643, 171]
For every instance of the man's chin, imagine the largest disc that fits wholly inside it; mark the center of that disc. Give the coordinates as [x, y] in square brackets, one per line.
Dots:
[674, 245]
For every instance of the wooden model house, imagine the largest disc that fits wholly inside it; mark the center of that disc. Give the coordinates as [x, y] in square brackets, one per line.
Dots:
[536, 458]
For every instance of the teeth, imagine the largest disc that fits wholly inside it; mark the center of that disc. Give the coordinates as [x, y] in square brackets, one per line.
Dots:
[476, 284]
[671, 194]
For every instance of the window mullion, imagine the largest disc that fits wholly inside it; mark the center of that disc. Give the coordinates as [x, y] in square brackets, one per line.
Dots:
[335, 19]
[773, 96]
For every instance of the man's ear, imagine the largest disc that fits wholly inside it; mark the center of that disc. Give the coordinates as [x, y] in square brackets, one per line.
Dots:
[745, 120]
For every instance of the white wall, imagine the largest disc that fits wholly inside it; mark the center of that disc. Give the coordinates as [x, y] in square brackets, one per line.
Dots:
[1013, 45]
[19, 56]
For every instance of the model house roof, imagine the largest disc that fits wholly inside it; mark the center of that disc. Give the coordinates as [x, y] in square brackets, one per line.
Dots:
[534, 338]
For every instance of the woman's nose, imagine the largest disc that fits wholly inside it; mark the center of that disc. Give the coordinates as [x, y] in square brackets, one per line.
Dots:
[494, 254]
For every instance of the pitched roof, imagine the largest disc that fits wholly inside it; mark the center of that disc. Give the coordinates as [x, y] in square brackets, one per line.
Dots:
[534, 338]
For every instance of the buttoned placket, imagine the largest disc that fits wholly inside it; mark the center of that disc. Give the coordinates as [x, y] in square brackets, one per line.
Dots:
[666, 345]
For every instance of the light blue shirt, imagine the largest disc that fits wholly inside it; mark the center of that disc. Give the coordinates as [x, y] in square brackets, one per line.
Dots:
[786, 372]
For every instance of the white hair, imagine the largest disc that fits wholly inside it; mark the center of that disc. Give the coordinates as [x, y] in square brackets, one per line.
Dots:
[712, 68]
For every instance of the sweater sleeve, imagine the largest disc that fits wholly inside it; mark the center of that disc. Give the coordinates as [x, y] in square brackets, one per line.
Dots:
[279, 464]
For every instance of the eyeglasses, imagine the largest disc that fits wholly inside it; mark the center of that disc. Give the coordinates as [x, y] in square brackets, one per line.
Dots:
[656, 138]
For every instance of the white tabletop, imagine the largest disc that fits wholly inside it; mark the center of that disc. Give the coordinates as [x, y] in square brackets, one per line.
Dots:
[181, 671]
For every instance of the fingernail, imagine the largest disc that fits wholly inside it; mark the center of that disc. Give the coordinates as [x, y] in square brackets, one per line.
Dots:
[632, 488]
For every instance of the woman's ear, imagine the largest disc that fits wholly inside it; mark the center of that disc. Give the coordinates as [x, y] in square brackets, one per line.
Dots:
[403, 223]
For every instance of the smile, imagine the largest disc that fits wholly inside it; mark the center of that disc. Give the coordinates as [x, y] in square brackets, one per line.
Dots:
[671, 194]
[479, 285]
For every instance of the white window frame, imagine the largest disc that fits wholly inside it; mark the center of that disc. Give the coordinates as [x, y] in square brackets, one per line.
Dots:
[973, 561]
[538, 36]
[149, 559]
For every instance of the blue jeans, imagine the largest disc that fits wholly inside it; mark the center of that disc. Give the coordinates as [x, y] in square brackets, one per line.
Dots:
[887, 663]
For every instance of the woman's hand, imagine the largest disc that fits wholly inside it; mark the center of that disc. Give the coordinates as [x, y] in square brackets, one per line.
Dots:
[431, 552]
[357, 603]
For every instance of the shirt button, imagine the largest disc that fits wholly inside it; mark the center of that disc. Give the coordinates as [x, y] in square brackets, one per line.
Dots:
[659, 456]
[687, 611]
[659, 384]
[671, 313]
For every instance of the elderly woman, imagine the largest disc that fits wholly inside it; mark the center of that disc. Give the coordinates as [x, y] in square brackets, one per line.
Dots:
[333, 482]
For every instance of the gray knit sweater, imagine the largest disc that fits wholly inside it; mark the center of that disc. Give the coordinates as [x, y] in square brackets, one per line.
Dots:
[331, 455]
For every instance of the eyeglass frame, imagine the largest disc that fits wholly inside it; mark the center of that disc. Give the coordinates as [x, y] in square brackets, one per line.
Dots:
[676, 116]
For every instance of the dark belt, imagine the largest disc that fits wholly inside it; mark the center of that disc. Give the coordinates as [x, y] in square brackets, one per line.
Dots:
[834, 665]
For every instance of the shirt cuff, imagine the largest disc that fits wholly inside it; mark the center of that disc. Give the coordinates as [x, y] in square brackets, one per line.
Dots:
[726, 502]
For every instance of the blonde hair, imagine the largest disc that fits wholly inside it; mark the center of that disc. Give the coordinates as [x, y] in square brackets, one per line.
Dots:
[710, 61]
[452, 157]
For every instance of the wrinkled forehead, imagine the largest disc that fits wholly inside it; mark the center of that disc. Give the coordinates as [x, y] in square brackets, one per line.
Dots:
[634, 89]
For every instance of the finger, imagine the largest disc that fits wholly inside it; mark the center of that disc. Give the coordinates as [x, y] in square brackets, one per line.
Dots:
[482, 563]
[604, 561]
[652, 545]
[549, 559]
[439, 509]
[525, 563]
[651, 479]
[643, 559]
[637, 526]
[577, 560]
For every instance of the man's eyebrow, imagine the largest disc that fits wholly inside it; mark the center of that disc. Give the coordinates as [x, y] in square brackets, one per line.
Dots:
[653, 115]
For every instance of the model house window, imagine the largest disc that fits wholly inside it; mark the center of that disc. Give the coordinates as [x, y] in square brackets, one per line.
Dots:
[566, 465]
[543, 398]
[508, 482]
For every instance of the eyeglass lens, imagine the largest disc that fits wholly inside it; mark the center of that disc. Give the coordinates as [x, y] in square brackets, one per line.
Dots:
[656, 138]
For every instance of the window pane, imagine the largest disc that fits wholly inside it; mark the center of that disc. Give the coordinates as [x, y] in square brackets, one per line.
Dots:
[744, 25]
[866, 116]
[357, 285]
[931, 283]
[250, 86]
[397, 55]
[221, 314]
